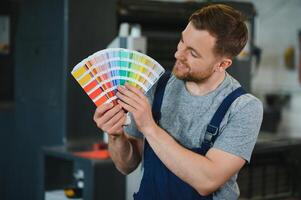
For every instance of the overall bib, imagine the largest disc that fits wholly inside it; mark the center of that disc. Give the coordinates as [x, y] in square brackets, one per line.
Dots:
[158, 182]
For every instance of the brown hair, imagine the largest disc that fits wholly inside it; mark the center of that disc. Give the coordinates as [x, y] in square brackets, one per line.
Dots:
[225, 24]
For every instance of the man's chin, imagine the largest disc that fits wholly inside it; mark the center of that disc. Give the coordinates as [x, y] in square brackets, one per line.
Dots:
[178, 73]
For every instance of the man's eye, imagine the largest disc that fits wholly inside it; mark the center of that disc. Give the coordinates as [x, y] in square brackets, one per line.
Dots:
[193, 54]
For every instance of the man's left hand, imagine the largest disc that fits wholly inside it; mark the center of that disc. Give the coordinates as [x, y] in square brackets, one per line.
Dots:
[134, 101]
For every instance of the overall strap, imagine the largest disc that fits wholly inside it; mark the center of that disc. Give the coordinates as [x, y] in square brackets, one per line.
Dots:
[159, 93]
[212, 130]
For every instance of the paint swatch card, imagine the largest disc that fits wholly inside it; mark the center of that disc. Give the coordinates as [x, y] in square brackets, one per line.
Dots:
[101, 73]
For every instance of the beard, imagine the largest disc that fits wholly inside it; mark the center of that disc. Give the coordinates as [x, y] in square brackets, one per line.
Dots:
[183, 72]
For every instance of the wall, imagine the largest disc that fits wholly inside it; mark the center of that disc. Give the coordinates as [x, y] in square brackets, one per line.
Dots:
[277, 28]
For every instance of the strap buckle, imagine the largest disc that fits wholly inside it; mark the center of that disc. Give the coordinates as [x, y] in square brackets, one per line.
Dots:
[211, 132]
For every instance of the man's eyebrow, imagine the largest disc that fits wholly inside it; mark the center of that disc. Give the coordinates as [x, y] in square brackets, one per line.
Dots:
[189, 47]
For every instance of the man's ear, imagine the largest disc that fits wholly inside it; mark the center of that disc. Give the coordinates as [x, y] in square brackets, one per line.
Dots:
[224, 64]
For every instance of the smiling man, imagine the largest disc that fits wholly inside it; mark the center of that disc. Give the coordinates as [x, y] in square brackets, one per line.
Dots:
[208, 125]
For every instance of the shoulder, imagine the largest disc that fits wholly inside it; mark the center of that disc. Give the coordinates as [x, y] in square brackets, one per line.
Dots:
[246, 101]
[246, 109]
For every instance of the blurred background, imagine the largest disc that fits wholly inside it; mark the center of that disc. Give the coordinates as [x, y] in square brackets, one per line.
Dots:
[50, 147]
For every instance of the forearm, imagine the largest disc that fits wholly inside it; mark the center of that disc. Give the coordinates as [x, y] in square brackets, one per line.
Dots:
[195, 169]
[124, 153]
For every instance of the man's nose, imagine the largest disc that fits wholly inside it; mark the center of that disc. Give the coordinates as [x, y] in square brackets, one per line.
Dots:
[180, 54]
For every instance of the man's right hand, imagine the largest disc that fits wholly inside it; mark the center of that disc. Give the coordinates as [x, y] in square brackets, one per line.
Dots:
[125, 150]
[110, 119]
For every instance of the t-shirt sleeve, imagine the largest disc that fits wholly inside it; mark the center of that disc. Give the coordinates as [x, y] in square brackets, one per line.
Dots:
[239, 135]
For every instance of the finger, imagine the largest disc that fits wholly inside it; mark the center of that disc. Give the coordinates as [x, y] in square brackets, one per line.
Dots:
[100, 110]
[143, 100]
[135, 90]
[129, 94]
[114, 119]
[117, 127]
[127, 100]
[109, 114]
[127, 107]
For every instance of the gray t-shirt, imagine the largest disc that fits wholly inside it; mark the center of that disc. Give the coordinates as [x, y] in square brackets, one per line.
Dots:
[185, 117]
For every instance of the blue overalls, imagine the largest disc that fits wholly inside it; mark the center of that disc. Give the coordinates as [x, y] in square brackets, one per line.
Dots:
[158, 182]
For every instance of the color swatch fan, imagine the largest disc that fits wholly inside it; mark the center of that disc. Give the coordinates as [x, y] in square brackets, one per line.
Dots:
[101, 73]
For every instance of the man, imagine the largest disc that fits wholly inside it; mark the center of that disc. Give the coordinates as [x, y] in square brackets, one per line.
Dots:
[176, 166]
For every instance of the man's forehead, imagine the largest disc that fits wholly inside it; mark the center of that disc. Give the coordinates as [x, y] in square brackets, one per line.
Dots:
[193, 36]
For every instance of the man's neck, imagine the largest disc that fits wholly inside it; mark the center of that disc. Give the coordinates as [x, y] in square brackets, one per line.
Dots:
[209, 85]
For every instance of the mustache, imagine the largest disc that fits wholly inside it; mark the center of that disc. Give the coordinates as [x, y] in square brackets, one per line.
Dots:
[178, 62]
